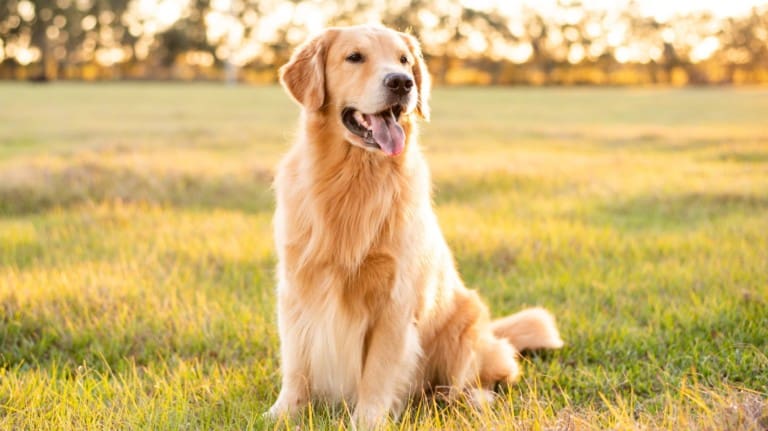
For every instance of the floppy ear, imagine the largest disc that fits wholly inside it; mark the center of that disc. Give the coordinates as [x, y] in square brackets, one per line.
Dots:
[420, 75]
[304, 74]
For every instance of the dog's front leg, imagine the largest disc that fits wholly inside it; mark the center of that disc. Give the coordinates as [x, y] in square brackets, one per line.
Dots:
[389, 368]
[294, 391]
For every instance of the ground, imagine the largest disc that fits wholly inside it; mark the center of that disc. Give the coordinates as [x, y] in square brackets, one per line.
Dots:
[136, 259]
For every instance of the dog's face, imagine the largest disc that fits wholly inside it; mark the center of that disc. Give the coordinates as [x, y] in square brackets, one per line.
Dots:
[367, 79]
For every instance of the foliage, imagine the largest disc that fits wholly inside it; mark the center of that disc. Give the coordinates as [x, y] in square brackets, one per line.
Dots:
[570, 44]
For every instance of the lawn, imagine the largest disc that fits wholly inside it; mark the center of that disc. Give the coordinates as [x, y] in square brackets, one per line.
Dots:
[136, 259]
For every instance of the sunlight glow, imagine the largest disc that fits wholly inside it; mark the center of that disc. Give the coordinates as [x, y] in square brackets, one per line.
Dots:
[428, 19]
[88, 23]
[26, 10]
[576, 53]
[152, 16]
[241, 32]
[200, 58]
[519, 53]
[110, 56]
[27, 55]
[480, 4]
[622, 54]
[169, 11]
[705, 49]
[662, 10]
[156, 15]
[477, 42]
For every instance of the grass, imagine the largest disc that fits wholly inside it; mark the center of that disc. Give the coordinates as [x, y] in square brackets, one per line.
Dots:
[136, 285]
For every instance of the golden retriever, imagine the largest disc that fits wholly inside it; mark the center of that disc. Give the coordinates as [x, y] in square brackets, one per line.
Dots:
[371, 309]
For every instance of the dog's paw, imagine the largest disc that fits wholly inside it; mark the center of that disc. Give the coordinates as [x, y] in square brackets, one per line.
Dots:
[274, 413]
[368, 418]
[480, 398]
[282, 408]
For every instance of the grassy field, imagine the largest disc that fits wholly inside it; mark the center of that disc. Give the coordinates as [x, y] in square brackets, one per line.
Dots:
[136, 283]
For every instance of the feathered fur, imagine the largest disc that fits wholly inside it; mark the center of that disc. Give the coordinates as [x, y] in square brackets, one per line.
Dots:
[370, 306]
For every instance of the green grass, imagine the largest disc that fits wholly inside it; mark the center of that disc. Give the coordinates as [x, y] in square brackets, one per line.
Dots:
[136, 283]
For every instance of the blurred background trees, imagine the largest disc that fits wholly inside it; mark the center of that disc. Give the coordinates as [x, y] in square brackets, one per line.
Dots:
[483, 42]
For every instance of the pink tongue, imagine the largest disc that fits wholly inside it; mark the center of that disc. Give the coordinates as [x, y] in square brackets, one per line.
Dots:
[387, 133]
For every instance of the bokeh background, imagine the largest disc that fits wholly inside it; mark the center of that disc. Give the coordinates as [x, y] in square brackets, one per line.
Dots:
[466, 42]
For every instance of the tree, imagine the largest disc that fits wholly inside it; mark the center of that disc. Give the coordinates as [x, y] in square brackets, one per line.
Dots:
[744, 43]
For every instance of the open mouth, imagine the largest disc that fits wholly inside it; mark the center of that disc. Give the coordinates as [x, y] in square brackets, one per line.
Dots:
[380, 130]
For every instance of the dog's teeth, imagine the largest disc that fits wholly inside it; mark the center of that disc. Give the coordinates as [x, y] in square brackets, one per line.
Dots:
[360, 119]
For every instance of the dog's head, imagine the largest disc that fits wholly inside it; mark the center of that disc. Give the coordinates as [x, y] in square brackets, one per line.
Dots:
[368, 79]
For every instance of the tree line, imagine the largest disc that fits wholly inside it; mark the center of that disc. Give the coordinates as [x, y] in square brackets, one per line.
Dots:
[248, 40]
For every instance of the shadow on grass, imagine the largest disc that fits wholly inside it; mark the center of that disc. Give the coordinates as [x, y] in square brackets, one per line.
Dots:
[743, 156]
[34, 189]
[677, 211]
[469, 189]
[661, 143]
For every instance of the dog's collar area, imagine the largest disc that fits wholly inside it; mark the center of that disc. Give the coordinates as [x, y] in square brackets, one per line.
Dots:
[380, 131]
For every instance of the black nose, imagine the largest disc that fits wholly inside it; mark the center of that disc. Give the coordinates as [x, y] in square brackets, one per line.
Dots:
[398, 83]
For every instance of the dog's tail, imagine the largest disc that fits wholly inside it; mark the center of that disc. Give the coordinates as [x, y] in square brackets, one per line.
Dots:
[532, 328]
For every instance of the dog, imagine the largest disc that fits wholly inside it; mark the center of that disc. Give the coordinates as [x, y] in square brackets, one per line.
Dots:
[371, 308]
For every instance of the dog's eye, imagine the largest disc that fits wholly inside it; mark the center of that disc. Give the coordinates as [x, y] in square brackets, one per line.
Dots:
[355, 57]
[404, 60]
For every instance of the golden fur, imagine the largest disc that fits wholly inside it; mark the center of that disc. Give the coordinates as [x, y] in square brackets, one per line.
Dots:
[371, 308]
